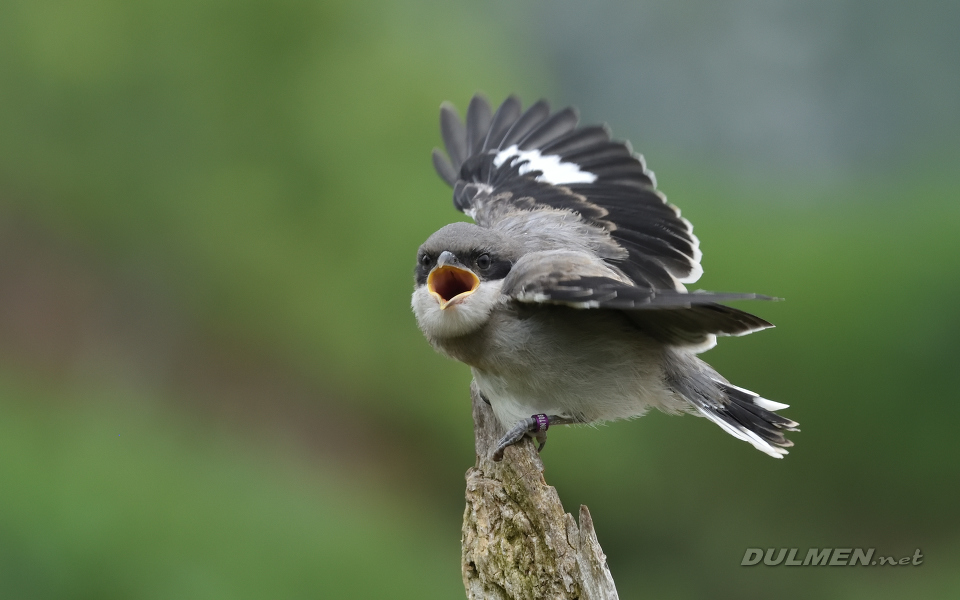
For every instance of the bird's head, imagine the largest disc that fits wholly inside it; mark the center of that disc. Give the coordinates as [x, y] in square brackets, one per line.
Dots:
[460, 270]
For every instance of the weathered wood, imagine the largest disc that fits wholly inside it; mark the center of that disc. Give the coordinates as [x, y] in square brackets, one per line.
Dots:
[518, 543]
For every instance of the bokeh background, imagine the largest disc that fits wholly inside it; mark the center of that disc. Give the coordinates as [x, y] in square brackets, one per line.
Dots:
[211, 384]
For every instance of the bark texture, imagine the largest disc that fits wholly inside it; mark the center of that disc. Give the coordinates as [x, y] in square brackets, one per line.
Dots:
[518, 543]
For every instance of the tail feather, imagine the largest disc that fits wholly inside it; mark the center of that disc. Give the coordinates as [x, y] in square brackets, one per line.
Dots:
[744, 415]
[741, 413]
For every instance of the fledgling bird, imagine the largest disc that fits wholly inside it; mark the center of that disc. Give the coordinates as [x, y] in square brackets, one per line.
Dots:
[567, 297]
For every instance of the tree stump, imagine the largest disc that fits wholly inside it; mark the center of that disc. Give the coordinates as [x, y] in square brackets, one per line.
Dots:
[518, 543]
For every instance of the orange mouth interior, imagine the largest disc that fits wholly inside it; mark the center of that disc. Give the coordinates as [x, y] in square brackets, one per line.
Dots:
[447, 284]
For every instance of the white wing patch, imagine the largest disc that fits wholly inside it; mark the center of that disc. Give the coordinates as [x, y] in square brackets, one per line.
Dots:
[552, 170]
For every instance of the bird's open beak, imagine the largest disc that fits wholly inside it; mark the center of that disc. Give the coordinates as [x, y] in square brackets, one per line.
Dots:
[449, 284]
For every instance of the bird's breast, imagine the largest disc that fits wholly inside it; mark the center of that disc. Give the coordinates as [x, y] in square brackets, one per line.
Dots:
[584, 365]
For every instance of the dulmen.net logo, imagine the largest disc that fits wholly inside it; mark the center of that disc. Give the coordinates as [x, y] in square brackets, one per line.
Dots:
[825, 557]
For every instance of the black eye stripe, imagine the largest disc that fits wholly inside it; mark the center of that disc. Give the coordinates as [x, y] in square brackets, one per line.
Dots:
[498, 269]
[424, 264]
[487, 266]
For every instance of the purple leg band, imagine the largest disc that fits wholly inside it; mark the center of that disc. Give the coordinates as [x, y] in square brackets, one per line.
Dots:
[543, 423]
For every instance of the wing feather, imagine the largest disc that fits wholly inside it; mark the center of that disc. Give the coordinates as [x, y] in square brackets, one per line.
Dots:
[526, 123]
[579, 140]
[534, 159]
[503, 119]
[454, 134]
[555, 126]
[581, 280]
[478, 123]
[517, 165]
[444, 169]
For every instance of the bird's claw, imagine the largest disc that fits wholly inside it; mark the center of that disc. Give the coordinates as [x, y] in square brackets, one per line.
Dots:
[536, 425]
[542, 438]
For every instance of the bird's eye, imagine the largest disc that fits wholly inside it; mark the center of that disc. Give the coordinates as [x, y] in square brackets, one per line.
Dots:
[425, 260]
[483, 261]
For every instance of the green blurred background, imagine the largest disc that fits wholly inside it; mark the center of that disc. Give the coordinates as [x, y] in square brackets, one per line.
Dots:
[211, 384]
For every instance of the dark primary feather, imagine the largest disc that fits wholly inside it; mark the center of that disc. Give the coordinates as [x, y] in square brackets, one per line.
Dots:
[579, 140]
[454, 134]
[612, 192]
[556, 125]
[442, 164]
[505, 116]
[478, 123]
[621, 199]
[532, 117]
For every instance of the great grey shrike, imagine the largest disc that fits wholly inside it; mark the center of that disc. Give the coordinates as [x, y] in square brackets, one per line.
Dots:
[567, 297]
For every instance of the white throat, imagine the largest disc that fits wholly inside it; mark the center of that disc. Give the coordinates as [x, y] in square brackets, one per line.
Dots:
[459, 318]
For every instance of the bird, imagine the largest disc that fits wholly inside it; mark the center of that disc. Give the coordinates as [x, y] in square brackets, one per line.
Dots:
[566, 296]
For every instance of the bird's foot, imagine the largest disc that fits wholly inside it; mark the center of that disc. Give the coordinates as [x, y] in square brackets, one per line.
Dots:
[535, 425]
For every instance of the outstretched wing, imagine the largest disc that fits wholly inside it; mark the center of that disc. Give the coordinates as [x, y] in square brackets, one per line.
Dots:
[532, 160]
[581, 280]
